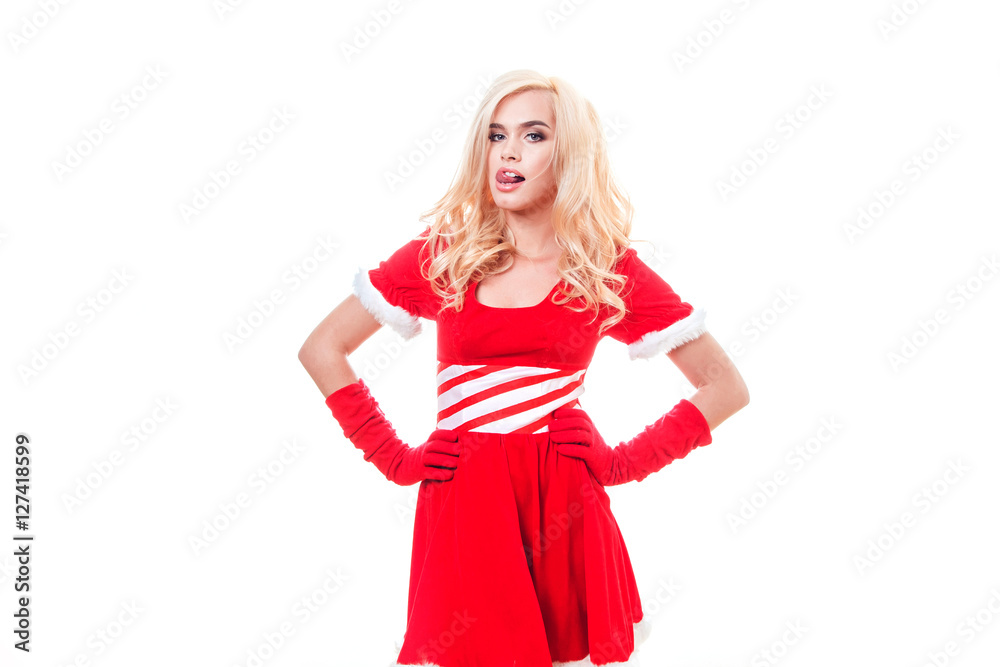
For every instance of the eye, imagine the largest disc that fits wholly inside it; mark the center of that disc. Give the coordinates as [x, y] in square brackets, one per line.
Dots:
[536, 134]
[494, 134]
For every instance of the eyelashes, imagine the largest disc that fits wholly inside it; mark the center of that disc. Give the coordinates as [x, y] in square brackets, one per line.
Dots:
[541, 137]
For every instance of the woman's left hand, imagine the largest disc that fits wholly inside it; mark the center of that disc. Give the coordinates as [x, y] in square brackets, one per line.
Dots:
[575, 435]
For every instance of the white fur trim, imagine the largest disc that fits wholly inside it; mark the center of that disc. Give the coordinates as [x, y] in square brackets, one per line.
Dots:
[399, 647]
[665, 340]
[640, 632]
[399, 319]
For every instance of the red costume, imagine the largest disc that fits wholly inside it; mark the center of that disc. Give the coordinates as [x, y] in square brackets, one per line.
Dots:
[518, 561]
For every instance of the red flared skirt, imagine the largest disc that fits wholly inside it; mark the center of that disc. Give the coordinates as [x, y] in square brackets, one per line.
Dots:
[518, 562]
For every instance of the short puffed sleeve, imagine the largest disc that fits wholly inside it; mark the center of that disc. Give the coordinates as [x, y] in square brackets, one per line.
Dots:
[395, 292]
[656, 320]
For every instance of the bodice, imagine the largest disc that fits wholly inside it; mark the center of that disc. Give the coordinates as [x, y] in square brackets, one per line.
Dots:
[493, 398]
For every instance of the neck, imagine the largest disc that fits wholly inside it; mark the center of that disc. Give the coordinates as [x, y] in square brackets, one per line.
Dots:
[533, 239]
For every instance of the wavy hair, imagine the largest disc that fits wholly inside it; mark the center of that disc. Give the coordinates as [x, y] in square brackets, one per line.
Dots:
[592, 217]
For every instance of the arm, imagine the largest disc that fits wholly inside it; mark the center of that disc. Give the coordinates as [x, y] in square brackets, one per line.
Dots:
[324, 353]
[720, 390]
[720, 393]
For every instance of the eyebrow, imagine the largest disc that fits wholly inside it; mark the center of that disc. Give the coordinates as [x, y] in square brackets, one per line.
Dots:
[529, 123]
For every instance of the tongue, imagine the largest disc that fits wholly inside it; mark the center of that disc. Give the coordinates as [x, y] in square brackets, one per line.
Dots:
[504, 178]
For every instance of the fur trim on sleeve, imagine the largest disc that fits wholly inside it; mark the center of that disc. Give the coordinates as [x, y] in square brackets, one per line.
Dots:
[660, 342]
[402, 322]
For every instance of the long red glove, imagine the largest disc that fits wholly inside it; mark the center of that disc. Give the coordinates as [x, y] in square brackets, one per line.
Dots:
[670, 437]
[366, 426]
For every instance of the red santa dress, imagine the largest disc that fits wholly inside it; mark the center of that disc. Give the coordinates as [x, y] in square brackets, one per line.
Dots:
[517, 561]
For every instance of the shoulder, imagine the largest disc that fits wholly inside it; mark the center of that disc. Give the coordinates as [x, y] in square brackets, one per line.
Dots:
[396, 291]
[634, 269]
[656, 319]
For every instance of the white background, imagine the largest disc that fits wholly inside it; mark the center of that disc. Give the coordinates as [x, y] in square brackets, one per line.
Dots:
[677, 130]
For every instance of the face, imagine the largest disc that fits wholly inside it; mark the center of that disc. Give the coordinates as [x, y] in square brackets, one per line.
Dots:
[522, 140]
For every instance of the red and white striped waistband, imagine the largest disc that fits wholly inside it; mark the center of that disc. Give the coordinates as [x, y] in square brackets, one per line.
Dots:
[503, 399]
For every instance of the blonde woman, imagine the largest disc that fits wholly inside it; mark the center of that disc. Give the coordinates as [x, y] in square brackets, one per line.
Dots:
[524, 265]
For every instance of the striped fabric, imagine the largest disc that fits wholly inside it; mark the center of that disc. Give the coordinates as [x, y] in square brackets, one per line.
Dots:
[503, 399]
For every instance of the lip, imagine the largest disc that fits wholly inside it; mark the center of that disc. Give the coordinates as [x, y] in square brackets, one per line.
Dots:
[504, 186]
[501, 170]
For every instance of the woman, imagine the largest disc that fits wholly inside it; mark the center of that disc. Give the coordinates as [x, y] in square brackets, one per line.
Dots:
[525, 265]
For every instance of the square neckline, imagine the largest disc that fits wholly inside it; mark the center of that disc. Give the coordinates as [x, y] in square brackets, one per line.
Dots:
[547, 298]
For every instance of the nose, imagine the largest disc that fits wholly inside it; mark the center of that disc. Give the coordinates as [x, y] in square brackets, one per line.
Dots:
[508, 152]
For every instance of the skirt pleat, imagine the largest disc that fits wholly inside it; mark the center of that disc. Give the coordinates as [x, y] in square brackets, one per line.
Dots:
[518, 562]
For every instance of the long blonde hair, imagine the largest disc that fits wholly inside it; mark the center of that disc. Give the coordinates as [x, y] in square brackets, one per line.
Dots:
[592, 217]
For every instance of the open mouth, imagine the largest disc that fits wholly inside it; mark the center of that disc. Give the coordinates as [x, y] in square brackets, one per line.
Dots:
[508, 176]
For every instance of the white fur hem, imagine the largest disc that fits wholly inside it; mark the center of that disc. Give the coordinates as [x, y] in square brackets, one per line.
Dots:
[640, 632]
[398, 319]
[665, 340]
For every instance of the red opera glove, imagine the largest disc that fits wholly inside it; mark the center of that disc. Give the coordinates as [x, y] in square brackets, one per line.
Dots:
[670, 437]
[366, 426]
